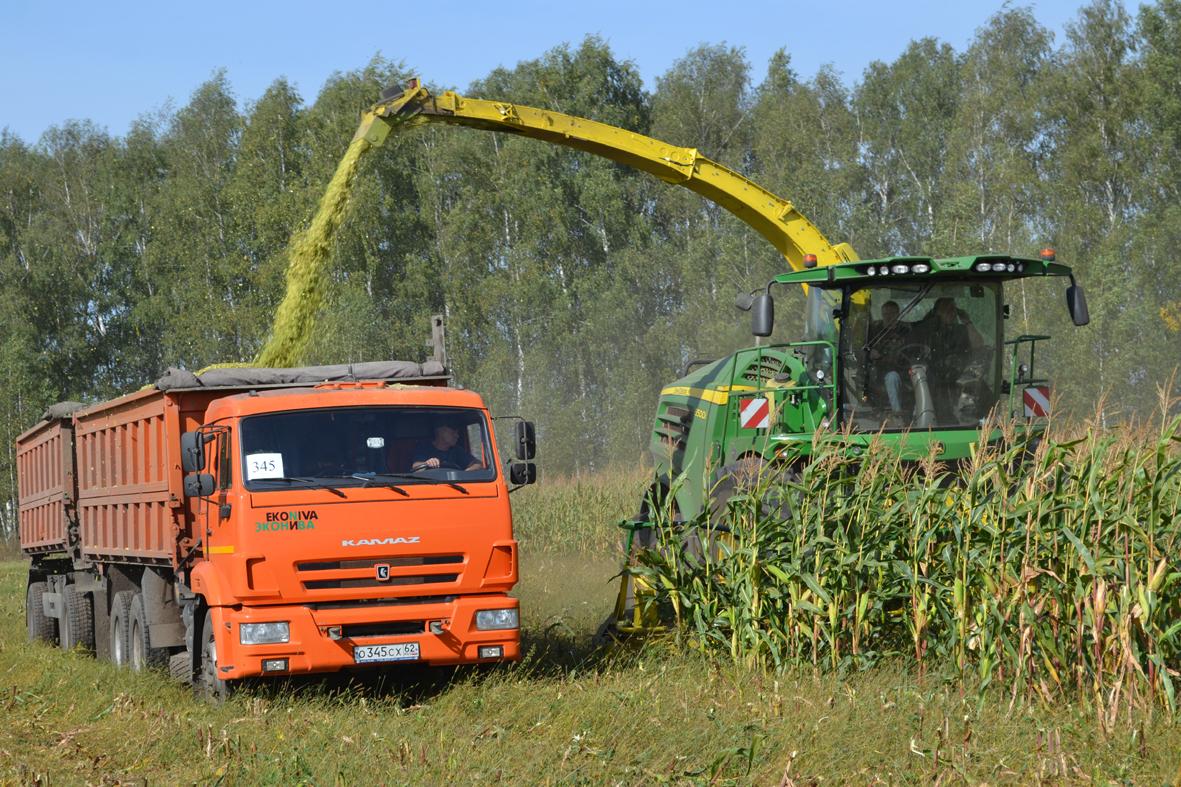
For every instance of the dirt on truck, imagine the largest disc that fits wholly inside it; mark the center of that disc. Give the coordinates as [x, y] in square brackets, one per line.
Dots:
[251, 522]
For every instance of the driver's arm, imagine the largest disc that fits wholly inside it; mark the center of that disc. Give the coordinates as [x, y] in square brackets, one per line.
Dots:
[424, 460]
[974, 337]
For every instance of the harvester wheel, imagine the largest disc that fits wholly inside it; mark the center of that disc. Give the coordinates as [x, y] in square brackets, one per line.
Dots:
[746, 475]
[41, 627]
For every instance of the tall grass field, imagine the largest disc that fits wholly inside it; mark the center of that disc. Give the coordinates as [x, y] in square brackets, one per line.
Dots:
[813, 692]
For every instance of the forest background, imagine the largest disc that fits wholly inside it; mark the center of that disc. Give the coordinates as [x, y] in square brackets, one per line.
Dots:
[575, 288]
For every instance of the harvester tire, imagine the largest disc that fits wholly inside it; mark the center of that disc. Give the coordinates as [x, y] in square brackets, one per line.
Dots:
[121, 628]
[77, 629]
[736, 477]
[41, 627]
[745, 475]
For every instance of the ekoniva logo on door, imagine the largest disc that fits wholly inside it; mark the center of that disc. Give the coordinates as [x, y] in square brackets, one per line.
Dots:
[754, 413]
[287, 520]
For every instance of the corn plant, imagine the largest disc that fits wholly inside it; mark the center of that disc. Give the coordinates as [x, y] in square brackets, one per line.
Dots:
[1044, 567]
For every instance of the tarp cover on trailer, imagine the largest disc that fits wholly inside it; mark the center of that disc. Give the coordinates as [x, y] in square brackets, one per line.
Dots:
[61, 410]
[244, 377]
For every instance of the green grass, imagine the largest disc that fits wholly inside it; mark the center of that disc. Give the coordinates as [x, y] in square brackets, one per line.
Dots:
[567, 714]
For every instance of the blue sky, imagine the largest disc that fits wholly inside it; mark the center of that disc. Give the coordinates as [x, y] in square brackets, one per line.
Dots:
[114, 61]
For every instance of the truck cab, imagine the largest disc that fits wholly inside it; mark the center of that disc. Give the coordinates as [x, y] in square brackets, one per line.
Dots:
[332, 540]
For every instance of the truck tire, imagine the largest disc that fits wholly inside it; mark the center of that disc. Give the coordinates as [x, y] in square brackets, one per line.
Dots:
[77, 623]
[42, 628]
[141, 655]
[207, 683]
[121, 628]
[180, 667]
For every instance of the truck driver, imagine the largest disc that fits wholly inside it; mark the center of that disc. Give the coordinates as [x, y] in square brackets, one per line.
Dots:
[444, 451]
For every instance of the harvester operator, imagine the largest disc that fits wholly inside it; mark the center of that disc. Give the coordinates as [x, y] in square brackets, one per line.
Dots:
[952, 338]
[886, 340]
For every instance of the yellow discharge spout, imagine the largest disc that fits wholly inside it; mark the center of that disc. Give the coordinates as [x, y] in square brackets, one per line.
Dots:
[307, 263]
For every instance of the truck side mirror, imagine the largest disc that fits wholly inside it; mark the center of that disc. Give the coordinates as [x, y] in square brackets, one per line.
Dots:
[762, 316]
[198, 485]
[1076, 302]
[520, 473]
[526, 445]
[192, 451]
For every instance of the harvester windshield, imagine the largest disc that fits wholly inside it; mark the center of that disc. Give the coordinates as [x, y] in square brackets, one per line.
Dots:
[921, 354]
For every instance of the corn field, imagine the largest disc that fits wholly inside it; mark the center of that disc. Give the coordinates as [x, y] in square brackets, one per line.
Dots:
[1048, 570]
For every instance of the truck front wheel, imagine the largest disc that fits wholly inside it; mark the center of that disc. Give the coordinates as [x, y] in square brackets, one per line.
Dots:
[208, 683]
[41, 627]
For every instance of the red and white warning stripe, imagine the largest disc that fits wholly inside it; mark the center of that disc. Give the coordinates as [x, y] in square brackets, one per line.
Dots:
[1037, 401]
[754, 413]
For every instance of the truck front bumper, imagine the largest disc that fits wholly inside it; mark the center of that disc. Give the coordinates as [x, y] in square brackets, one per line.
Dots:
[322, 636]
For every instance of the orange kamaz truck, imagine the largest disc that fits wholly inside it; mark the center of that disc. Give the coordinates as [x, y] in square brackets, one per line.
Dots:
[255, 522]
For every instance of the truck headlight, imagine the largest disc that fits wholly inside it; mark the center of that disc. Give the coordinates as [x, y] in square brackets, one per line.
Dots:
[264, 633]
[491, 619]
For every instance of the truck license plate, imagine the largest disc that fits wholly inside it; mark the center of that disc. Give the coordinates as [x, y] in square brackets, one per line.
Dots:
[399, 651]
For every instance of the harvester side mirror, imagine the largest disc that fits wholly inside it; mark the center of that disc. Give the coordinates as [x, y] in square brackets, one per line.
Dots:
[526, 445]
[192, 451]
[198, 485]
[522, 473]
[762, 317]
[743, 301]
[1076, 302]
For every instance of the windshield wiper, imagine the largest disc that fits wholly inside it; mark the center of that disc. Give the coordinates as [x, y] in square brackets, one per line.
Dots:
[303, 480]
[412, 477]
[368, 479]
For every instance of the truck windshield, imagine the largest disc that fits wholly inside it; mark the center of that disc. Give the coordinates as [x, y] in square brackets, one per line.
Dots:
[921, 355]
[359, 446]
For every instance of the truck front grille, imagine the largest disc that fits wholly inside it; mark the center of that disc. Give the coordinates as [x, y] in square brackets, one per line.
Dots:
[370, 562]
[379, 572]
[374, 582]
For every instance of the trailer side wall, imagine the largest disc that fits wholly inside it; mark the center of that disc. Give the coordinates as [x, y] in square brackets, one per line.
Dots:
[129, 508]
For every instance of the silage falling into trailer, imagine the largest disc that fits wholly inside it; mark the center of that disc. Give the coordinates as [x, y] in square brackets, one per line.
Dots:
[307, 265]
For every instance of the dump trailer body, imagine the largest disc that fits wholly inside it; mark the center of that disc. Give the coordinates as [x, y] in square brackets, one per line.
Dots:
[46, 484]
[131, 507]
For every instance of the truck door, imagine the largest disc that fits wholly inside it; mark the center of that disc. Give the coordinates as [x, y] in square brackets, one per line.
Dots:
[213, 514]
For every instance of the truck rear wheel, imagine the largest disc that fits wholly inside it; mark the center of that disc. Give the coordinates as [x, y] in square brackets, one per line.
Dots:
[141, 655]
[77, 621]
[41, 627]
[120, 627]
[208, 684]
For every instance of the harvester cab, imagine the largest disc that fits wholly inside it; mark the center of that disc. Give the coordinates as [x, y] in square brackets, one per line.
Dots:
[908, 350]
